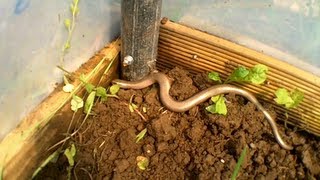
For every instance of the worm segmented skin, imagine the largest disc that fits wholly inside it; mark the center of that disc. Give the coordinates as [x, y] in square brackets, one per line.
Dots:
[182, 106]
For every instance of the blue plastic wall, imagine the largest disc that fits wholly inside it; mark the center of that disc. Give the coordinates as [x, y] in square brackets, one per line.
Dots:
[32, 34]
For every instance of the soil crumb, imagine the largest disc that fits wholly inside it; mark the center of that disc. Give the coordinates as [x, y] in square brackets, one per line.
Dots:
[190, 145]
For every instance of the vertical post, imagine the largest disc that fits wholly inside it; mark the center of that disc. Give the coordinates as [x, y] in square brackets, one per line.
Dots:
[139, 35]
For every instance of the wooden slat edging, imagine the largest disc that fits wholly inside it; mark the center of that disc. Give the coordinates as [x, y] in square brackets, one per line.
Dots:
[24, 148]
[199, 51]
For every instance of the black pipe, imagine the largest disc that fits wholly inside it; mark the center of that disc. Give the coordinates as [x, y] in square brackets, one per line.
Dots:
[139, 36]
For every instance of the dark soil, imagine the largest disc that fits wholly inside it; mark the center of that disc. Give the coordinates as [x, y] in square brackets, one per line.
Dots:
[191, 145]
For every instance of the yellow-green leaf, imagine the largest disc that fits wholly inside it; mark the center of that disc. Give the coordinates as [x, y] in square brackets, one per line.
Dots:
[214, 76]
[219, 107]
[132, 107]
[114, 89]
[215, 98]
[297, 96]
[258, 74]
[89, 102]
[70, 153]
[89, 87]
[76, 103]
[144, 109]
[288, 99]
[239, 74]
[67, 23]
[101, 92]
[142, 162]
[141, 135]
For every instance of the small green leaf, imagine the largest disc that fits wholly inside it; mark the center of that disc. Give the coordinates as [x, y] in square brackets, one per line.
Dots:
[142, 162]
[89, 87]
[67, 23]
[290, 100]
[214, 76]
[74, 9]
[258, 74]
[215, 98]
[76, 103]
[297, 96]
[114, 89]
[101, 92]
[141, 135]
[255, 75]
[89, 102]
[239, 74]
[283, 97]
[70, 153]
[75, 1]
[219, 107]
[132, 107]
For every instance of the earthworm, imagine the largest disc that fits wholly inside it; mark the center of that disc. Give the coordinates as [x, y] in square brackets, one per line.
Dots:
[182, 106]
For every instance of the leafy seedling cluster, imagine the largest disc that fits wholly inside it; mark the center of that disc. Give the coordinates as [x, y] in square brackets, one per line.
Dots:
[256, 75]
[69, 24]
[288, 99]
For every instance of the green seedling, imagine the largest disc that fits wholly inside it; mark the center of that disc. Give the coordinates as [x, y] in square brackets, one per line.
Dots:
[67, 87]
[288, 99]
[101, 92]
[214, 76]
[52, 158]
[70, 153]
[239, 163]
[70, 24]
[76, 103]
[114, 89]
[89, 102]
[142, 162]
[141, 135]
[255, 75]
[219, 106]
[132, 106]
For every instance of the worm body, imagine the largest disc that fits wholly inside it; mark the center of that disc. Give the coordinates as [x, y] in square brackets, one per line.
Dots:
[182, 106]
